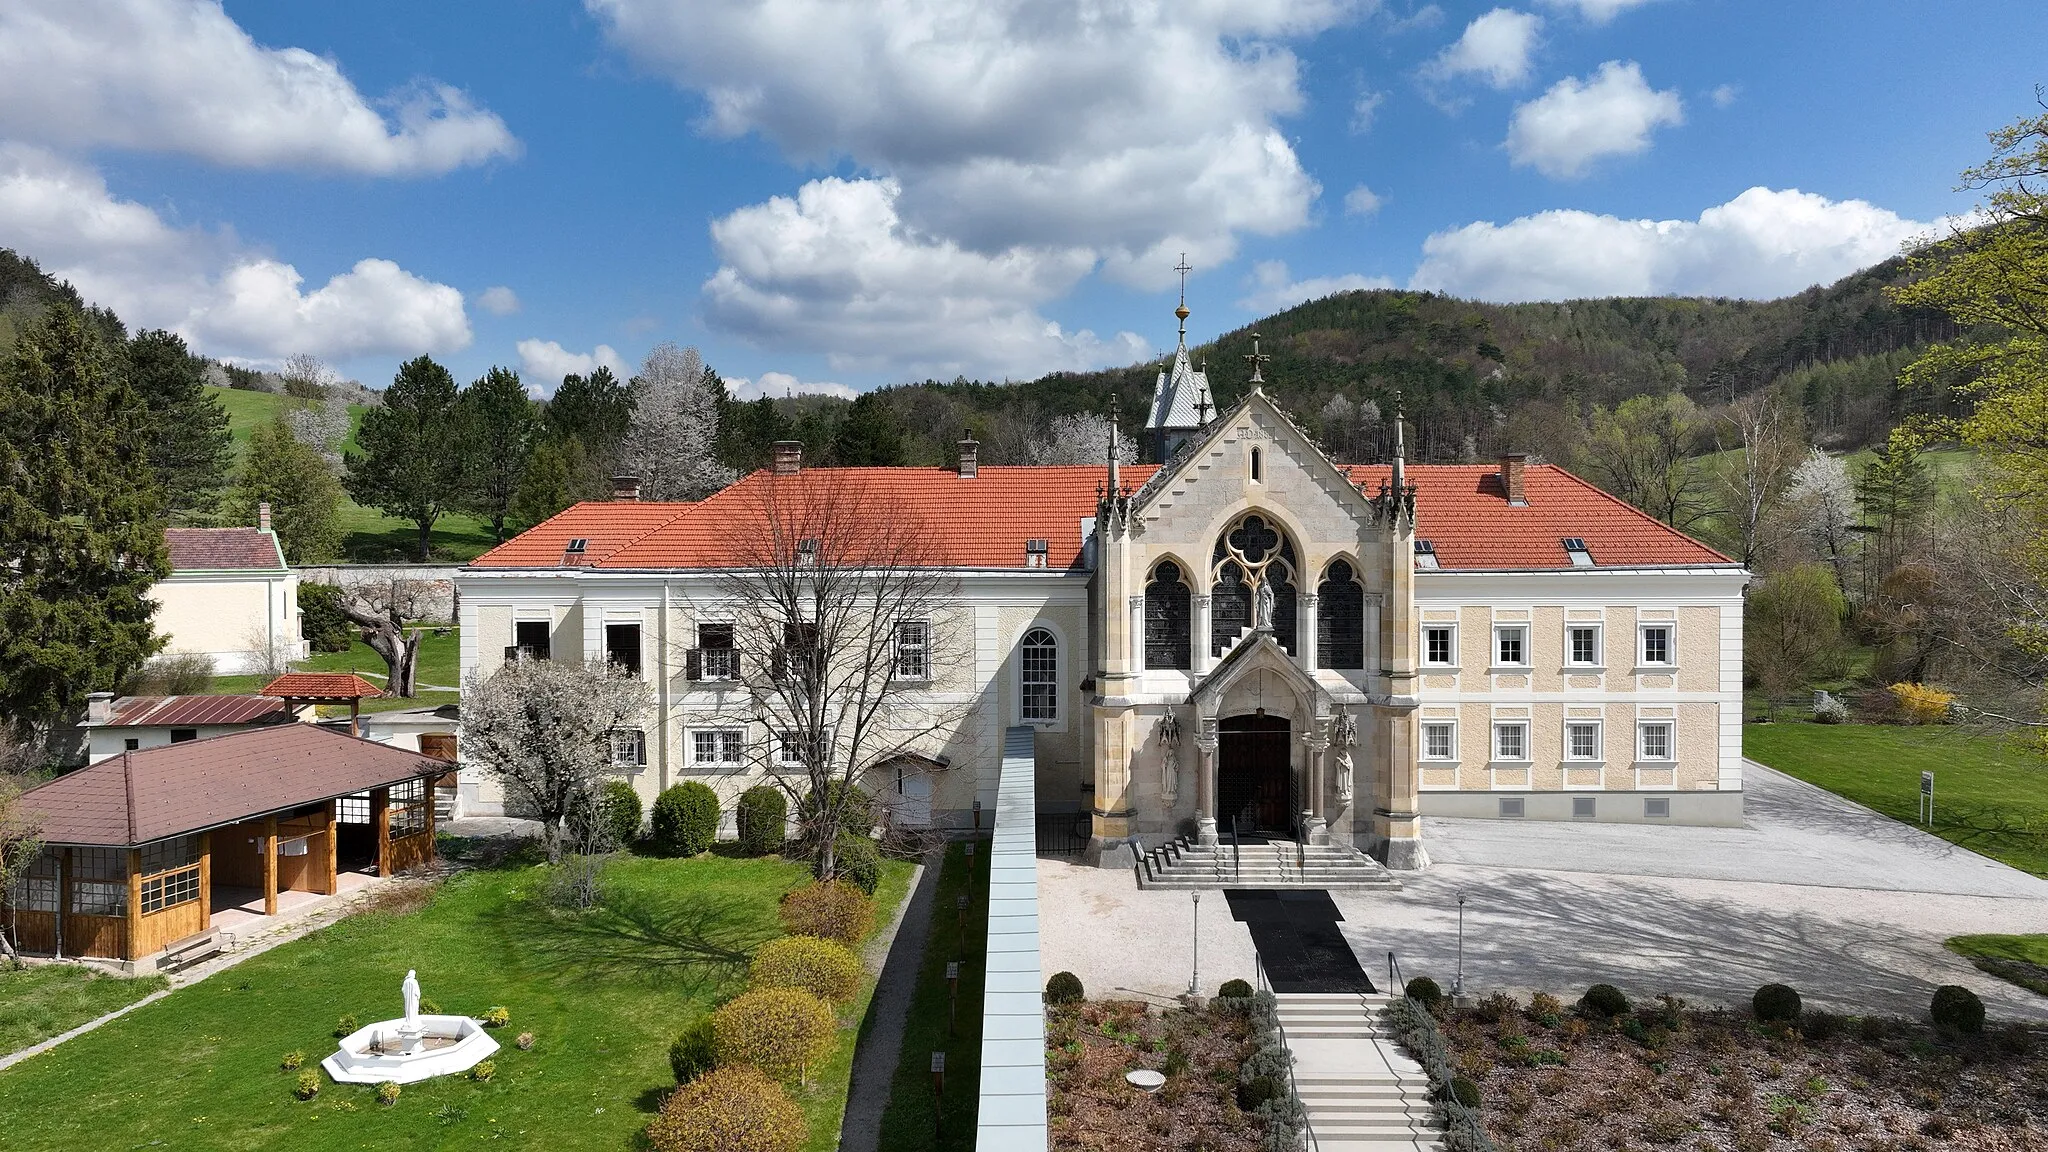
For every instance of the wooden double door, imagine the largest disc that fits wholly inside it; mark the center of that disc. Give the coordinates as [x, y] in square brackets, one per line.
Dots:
[1255, 774]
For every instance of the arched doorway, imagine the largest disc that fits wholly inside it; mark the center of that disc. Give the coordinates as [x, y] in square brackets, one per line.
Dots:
[1254, 773]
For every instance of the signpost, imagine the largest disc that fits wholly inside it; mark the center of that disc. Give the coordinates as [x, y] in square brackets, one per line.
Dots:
[1927, 798]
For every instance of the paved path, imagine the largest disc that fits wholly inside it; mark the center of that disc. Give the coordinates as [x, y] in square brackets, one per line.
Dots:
[1846, 905]
[899, 950]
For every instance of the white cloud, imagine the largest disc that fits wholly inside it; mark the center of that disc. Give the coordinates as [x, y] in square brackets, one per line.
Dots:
[1362, 201]
[545, 362]
[837, 270]
[181, 76]
[1597, 11]
[779, 384]
[1724, 95]
[1364, 110]
[498, 301]
[1495, 47]
[225, 299]
[1763, 244]
[1562, 132]
[1273, 291]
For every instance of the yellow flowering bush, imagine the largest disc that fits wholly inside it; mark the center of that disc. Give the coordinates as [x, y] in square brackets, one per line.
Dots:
[826, 969]
[1922, 703]
[736, 1109]
[781, 1031]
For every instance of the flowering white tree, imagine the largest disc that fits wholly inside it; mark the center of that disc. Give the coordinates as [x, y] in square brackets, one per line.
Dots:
[1078, 438]
[670, 443]
[545, 729]
[1824, 497]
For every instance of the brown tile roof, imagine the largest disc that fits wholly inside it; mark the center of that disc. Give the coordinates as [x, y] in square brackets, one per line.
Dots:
[192, 711]
[223, 550]
[321, 686]
[138, 797]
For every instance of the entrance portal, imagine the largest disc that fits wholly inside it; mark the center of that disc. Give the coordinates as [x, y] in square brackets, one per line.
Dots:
[1253, 774]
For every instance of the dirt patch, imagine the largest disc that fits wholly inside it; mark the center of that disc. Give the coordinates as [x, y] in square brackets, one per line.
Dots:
[1090, 1046]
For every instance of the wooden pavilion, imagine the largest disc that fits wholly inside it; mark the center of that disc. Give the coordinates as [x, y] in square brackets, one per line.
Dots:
[297, 688]
[137, 847]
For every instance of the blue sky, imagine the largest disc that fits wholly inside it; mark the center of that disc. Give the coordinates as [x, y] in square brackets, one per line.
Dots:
[834, 196]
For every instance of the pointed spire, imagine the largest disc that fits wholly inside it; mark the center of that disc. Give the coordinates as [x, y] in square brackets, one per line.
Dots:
[1182, 312]
[1400, 447]
[1202, 404]
[1113, 415]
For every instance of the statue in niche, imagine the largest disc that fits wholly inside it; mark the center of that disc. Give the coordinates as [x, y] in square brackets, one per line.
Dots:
[1169, 759]
[1343, 734]
[1263, 605]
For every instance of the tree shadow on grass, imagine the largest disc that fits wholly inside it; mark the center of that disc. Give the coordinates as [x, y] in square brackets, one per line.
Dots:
[687, 942]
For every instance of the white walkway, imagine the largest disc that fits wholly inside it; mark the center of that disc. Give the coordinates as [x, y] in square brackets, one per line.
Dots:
[1362, 1092]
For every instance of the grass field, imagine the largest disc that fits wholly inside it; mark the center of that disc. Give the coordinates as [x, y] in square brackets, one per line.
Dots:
[604, 992]
[1990, 797]
[2023, 960]
[909, 1124]
[44, 1001]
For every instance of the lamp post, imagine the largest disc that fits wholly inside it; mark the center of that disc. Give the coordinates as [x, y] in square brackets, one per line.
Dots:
[1458, 984]
[1195, 979]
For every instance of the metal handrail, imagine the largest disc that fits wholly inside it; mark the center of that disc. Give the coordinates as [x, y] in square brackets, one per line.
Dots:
[1308, 1131]
[1396, 985]
[1236, 852]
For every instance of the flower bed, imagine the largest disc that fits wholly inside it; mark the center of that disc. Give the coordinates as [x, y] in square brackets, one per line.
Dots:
[1556, 1078]
[1089, 1047]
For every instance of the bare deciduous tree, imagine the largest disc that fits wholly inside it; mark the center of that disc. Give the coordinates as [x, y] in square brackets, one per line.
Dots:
[1642, 452]
[544, 729]
[1077, 438]
[1754, 481]
[671, 443]
[844, 628]
[387, 613]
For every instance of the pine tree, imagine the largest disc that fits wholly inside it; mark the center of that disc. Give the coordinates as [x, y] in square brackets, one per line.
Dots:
[598, 411]
[869, 436]
[500, 423]
[81, 521]
[189, 443]
[411, 464]
[298, 484]
[549, 484]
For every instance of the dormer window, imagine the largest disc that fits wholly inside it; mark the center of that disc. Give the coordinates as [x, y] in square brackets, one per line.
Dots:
[1036, 553]
[572, 554]
[1575, 550]
[807, 550]
[1425, 555]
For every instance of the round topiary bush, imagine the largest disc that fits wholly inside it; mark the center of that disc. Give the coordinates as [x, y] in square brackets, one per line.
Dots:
[1775, 1003]
[728, 1110]
[857, 861]
[781, 1031]
[685, 819]
[1425, 992]
[1063, 988]
[826, 969]
[1465, 1092]
[1604, 1000]
[1235, 989]
[308, 1085]
[618, 813]
[1256, 1091]
[833, 910]
[762, 815]
[695, 1052]
[1956, 1009]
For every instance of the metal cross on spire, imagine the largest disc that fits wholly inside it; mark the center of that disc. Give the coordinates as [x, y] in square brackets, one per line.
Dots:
[1255, 359]
[1182, 311]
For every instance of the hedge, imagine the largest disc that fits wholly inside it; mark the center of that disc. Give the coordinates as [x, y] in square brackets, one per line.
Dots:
[685, 819]
[762, 815]
[728, 1110]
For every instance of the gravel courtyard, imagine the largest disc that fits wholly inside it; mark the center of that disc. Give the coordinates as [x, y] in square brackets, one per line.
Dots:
[1847, 906]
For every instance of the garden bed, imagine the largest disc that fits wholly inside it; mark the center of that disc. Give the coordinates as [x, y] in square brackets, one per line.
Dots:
[1554, 1078]
[1092, 1044]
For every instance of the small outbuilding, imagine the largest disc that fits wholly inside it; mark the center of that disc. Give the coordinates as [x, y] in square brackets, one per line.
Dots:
[114, 725]
[150, 848]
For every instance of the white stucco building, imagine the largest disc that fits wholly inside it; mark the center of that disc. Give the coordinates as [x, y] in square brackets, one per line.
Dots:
[230, 597]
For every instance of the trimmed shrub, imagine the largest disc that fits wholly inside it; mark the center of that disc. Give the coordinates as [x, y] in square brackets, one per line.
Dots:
[320, 618]
[855, 807]
[1465, 1092]
[762, 816]
[856, 860]
[292, 1061]
[833, 910]
[695, 1052]
[826, 969]
[345, 1026]
[685, 819]
[1063, 988]
[1922, 703]
[1256, 1091]
[1235, 989]
[1604, 1000]
[1775, 1003]
[781, 1031]
[1956, 1009]
[308, 1086]
[484, 1070]
[496, 1016]
[618, 813]
[387, 1093]
[1424, 991]
[728, 1110]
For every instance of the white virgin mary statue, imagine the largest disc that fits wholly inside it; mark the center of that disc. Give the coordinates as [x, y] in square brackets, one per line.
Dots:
[410, 990]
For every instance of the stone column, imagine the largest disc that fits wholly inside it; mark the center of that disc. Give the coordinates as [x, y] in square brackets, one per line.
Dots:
[1305, 631]
[1205, 781]
[1201, 633]
[1137, 633]
[1315, 828]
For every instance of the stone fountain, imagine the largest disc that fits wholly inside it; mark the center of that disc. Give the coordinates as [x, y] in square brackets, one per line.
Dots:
[410, 1048]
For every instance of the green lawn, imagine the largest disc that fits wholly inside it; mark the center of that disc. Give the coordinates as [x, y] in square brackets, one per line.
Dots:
[1990, 797]
[440, 663]
[2021, 959]
[604, 992]
[908, 1125]
[40, 1002]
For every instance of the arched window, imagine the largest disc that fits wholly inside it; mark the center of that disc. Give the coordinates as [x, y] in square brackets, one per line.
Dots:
[1167, 619]
[1251, 549]
[1039, 677]
[1340, 618]
[1257, 476]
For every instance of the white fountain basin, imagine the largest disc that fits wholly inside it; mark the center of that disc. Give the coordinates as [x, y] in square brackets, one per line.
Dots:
[389, 1050]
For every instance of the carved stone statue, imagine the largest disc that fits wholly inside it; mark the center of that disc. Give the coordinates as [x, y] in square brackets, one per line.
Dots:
[411, 991]
[1263, 606]
[1343, 733]
[1169, 759]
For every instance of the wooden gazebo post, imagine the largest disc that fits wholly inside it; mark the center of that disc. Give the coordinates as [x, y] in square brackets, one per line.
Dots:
[299, 688]
[270, 865]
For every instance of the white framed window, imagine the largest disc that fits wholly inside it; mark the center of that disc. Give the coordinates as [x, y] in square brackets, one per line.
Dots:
[1511, 645]
[1582, 645]
[789, 748]
[1655, 649]
[1038, 677]
[1654, 740]
[1582, 740]
[629, 748]
[913, 650]
[1440, 740]
[716, 747]
[1440, 645]
[1511, 740]
[715, 658]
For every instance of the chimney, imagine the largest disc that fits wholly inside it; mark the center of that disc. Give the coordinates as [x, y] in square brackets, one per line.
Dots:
[789, 457]
[969, 458]
[99, 707]
[625, 488]
[263, 515]
[1512, 465]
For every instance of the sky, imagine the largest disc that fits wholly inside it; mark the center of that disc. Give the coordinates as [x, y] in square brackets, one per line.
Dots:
[831, 196]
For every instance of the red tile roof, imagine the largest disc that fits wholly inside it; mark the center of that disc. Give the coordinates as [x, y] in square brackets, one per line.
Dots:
[193, 711]
[223, 550]
[984, 521]
[321, 686]
[138, 797]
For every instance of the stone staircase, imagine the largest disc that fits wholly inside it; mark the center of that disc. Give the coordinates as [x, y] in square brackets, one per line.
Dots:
[1361, 1091]
[1183, 864]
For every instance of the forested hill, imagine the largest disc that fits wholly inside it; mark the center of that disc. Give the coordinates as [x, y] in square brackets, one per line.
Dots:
[1475, 377]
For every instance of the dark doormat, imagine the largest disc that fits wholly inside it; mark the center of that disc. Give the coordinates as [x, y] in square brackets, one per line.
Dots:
[1298, 940]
